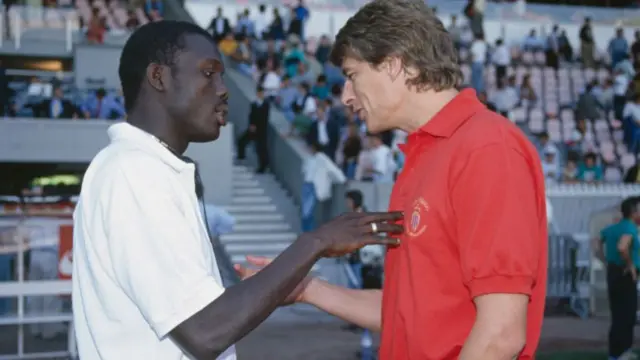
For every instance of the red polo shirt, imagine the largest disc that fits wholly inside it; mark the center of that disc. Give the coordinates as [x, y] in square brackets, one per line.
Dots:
[472, 192]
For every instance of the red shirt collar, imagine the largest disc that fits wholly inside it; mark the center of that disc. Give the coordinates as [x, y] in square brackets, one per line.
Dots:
[452, 115]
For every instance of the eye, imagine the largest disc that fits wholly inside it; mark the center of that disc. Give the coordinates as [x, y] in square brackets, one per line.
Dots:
[208, 73]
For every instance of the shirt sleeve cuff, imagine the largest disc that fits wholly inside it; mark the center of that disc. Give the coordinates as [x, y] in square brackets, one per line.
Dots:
[501, 284]
[202, 295]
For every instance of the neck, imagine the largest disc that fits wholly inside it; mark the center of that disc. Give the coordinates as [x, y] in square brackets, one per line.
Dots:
[422, 107]
[160, 125]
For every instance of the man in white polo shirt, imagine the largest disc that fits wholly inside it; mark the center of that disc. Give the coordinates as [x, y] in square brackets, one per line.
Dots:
[146, 285]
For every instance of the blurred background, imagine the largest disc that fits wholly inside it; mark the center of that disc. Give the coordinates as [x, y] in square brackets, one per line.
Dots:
[565, 72]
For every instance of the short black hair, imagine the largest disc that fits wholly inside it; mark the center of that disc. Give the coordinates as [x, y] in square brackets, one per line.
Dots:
[356, 197]
[629, 206]
[155, 42]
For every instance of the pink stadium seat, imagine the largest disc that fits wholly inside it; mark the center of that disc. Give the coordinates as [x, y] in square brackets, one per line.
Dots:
[612, 174]
[627, 161]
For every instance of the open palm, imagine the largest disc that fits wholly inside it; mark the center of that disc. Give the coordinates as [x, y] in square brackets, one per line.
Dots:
[259, 262]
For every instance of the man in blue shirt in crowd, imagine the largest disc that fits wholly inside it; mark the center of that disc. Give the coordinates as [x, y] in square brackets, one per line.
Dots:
[103, 106]
[619, 248]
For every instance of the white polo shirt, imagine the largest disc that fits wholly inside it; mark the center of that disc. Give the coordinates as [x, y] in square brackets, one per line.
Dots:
[142, 260]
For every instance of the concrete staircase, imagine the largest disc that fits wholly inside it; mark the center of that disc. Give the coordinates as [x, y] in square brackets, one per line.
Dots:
[266, 218]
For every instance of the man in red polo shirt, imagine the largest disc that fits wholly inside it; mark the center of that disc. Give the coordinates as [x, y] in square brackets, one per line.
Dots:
[468, 280]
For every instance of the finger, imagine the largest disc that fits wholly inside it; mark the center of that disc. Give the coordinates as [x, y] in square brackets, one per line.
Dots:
[383, 228]
[258, 260]
[377, 217]
[381, 240]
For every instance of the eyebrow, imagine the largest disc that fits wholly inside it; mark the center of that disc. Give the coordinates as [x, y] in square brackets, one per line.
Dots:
[217, 64]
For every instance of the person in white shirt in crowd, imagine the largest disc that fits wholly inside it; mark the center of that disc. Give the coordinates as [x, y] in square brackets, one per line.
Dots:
[626, 66]
[546, 145]
[550, 164]
[501, 58]
[382, 167]
[532, 42]
[306, 101]
[631, 122]
[319, 173]
[478, 60]
[552, 53]
[261, 22]
[632, 110]
[271, 82]
[620, 86]
[146, 280]
[604, 94]
[505, 98]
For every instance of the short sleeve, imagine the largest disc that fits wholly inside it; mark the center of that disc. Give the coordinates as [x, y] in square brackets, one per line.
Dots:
[499, 221]
[157, 257]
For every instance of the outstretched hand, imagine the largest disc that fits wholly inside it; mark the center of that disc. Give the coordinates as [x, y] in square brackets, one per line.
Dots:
[259, 262]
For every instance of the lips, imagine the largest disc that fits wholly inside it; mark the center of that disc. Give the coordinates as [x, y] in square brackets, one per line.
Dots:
[221, 113]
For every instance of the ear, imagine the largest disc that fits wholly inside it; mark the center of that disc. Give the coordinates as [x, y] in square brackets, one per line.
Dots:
[158, 76]
[393, 66]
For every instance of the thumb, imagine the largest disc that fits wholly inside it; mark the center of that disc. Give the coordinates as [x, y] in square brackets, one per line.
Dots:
[258, 260]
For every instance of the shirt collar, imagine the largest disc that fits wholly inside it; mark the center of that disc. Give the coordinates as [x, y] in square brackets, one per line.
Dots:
[455, 113]
[140, 139]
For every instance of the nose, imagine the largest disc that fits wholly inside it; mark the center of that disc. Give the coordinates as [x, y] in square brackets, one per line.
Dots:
[223, 94]
[347, 93]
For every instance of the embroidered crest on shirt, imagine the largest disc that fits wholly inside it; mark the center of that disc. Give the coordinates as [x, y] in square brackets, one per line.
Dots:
[416, 221]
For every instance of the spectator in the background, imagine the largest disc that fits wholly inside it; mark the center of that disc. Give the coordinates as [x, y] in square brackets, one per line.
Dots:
[57, 107]
[633, 175]
[635, 49]
[261, 23]
[287, 97]
[351, 147]
[501, 58]
[565, 46]
[305, 101]
[295, 25]
[589, 171]
[311, 169]
[276, 28]
[219, 26]
[550, 164]
[455, 31]
[631, 122]
[271, 81]
[626, 66]
[475, 13]
[132, 21]
[244, 26]
[531, 42]
[478, 60]
[243, 55]
[323, 49]
[587, 44]
[527, 94]
[552, 53]
[96, 28]
[618, 47]
[325, 133]
[302, 13]
[271, 54]
[228, 45]
[604, 93]
[303, 74]
[620, 87]
[505, 98]
[101, 106]
[154, 9]
[570, 171]
[578, 136]
[257, 131]
[320, 88]
[293, 56]
[380, 166]
[545, 144]
[588, 105]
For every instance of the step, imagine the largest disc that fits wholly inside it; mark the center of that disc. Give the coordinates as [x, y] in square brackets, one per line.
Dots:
[241, 169]
[243, 176]
[258, 237]
[256, 218]
[245, 183]
[248, 191]
[242, 208]
[259, 227]
[255, 199]
[257, 249]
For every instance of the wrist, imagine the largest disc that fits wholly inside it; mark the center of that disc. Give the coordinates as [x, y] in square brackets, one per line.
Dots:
[314, 245]
[308, 294]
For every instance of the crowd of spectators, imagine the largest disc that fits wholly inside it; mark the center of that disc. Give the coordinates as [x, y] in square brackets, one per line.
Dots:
[506, 77]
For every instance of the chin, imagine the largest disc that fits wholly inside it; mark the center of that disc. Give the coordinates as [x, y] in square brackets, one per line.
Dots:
[206, 136]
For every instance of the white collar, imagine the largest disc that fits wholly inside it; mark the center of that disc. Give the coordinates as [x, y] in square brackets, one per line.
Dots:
[140, 139]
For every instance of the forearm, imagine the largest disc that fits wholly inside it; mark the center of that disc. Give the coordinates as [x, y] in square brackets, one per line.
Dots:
[244, 306]
[626, 257]
[360, 307]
